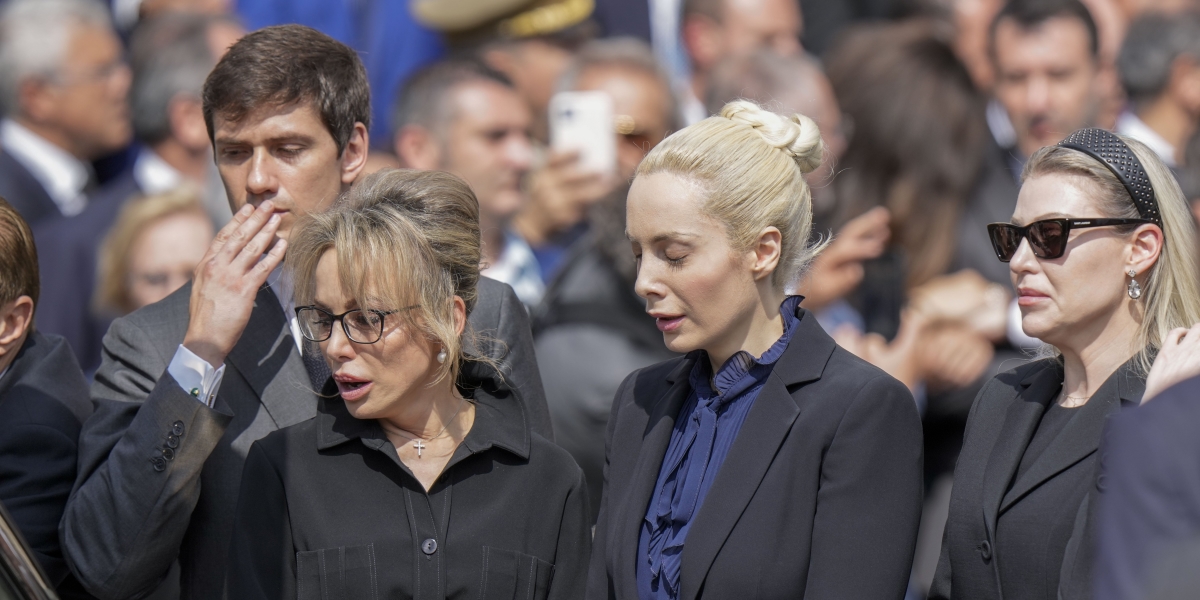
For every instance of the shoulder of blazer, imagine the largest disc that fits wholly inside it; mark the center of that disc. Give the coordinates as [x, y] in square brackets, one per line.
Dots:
[167, 318]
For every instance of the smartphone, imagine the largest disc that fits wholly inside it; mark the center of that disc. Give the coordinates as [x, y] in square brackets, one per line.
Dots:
[583, 122]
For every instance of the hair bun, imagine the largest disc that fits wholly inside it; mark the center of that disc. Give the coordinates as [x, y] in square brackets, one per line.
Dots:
[797, 135]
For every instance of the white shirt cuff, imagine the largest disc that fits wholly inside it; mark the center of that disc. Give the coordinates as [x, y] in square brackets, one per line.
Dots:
[198, 378]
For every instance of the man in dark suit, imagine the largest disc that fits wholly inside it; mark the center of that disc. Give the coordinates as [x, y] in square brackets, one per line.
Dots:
[63, 93]
[1149, 515]
[171, 56]
[43, 403]
[187, 384]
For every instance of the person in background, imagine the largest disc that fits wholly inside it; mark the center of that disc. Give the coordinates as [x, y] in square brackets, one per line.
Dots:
[463, 117]
[386, 281]
[63, 88]
[152, 250]
[43, 404]
[189, 383]
[712, 30]
[591, 329]
[171, 55]
[1046, 82]
[1160, 69]
[560, 192]
[1102, 254]
[530, 41]
[767, 458]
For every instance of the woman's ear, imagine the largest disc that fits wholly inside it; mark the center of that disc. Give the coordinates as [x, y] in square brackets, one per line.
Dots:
[460, 315]
[768, 249]
[1145, 248]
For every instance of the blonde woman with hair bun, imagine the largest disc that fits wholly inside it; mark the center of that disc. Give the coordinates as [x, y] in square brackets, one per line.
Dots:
[766, 462]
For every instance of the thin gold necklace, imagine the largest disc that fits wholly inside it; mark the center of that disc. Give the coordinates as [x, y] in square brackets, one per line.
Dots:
[419, 442]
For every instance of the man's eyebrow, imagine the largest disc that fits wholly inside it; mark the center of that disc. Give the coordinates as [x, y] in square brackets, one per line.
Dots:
[277, 139]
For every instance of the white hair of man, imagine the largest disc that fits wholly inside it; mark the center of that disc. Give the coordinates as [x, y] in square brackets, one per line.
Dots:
[34, 36]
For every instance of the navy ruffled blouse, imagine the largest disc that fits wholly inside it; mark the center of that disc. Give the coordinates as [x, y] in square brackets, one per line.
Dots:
[704, 432]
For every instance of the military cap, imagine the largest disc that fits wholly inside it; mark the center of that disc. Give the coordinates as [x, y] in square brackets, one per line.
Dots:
[468, 22]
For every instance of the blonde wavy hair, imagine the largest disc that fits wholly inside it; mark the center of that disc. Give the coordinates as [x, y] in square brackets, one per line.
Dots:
[751, 163]
[402, 238]
[1171, 288]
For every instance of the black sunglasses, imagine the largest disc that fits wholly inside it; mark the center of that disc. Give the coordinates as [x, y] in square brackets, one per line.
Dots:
[1047, 238]
[361, 326]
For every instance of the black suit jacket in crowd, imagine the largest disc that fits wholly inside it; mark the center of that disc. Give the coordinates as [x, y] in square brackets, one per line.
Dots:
[1003, 420]
[43, 404]
[1149, 521]
[24, 191]
[819, 496]
[159, 471]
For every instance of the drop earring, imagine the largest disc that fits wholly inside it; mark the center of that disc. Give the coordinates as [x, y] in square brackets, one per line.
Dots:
[1135, 288]
[441, 356]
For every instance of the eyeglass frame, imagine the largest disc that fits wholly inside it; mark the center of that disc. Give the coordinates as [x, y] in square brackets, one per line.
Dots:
[340, 318]
[1067, 224]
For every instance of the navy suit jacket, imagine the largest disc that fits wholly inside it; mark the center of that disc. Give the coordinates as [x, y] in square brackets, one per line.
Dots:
[67, 251]
[44, 401]
[1150, 516]
[24, 191]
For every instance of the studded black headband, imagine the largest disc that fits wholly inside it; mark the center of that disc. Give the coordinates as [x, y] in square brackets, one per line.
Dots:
[1115, 154]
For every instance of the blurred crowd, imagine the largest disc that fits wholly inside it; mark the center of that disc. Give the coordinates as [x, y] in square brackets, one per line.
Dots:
[928, 110]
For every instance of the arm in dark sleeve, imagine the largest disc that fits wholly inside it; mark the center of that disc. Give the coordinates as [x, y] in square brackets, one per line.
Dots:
[519, 362]
[869, 502]
[599, 584]
[37, 469]
[574, 545]
[262, 558]
[126, 519]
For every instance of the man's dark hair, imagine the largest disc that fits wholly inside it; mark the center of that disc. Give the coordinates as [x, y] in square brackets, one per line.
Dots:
[422, 99]
[1030, 14]
[1152, 45]
[18, 257]
[285, 65]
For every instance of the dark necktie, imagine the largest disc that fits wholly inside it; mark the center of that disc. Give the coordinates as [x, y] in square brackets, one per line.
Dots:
[314, 363]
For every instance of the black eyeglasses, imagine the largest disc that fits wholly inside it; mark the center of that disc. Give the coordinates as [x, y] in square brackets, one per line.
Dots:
[363, 326]
[1047, 239]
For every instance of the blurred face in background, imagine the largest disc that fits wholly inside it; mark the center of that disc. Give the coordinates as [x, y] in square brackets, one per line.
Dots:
[746, 26]
[534, 67]
[1046, 78]
[643, 108]
[972, 19]
[486, 141]
[164, 255]
[83, 107]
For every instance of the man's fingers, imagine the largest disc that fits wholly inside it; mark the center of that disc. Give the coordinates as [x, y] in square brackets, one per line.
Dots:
[257, 245]
[269, 261]
[247, 230]
[222, 236]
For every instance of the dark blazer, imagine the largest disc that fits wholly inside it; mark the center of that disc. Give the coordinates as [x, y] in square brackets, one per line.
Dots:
[328, 510]
[126, 521]
[24, 191]
[68, 248]
[819, 497]
[1150, 515]
[1001, 424]
[43, 404]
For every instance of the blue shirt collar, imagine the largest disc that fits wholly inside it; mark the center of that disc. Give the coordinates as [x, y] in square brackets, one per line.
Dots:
[741, 363]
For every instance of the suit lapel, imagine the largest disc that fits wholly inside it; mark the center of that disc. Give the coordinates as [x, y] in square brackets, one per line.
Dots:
[266, 356]
[766, 427]
[660, 421]
[1024, 413]
[1081, 436]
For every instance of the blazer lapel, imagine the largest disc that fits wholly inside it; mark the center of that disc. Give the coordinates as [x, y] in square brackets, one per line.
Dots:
[266, 356]
[1081, 436]
[1032, 396]
[660, 421]
[764, 431]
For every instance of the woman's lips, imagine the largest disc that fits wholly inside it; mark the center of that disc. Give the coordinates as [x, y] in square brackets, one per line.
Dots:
[1028, 297]
[352, 388]
[668, 324]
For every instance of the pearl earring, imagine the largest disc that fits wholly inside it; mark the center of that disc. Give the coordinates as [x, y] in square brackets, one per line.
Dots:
[441, 356]
[1135, 288]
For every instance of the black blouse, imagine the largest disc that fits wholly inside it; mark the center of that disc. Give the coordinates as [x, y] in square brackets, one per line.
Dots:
[328, 511]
